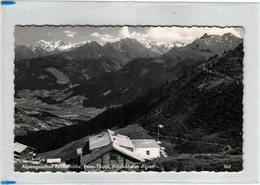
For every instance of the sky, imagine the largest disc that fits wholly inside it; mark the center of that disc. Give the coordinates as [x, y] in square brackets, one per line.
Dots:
[70, 35]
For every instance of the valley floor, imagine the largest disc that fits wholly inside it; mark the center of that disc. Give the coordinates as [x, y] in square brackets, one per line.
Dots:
[32, 114]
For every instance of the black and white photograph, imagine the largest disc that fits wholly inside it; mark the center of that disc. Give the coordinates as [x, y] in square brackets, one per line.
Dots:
[92, 98]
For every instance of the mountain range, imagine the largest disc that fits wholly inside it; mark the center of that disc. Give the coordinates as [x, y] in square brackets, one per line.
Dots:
[130, 48]
[83, 61]
[76, 63]
[108, 76]
[140, 75]
[44, 48]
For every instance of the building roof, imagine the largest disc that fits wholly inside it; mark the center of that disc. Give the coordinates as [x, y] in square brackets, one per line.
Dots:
[99, 152]
[145, 143]
[18, 147]
[128, 153]
[120, 140]
[108, 137]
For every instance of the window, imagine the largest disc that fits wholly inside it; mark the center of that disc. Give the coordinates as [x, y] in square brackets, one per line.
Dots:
[147, 152]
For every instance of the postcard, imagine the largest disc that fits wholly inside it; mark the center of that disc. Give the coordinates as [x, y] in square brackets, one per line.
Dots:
[128, 98]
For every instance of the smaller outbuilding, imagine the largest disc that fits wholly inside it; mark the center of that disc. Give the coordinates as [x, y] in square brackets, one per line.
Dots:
[23, 152]
[148, 148]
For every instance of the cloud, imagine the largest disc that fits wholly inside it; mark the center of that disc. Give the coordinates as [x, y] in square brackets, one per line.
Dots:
[187, 34]
[109, 38]
[125, 33]
[67, 31]
[95, 34]
[70, 33]
[166, 34]
[105, 37]
[49, 33]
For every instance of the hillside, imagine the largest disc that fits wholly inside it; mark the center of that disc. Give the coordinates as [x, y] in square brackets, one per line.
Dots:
[23, 52]
[204, 110]
[122, 86]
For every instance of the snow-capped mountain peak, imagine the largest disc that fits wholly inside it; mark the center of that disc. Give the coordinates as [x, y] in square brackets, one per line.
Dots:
[52, 46]
[161, 48]
[72, 46]
[178, 44]
[152, 44]
[48, 46]
[43, 48]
